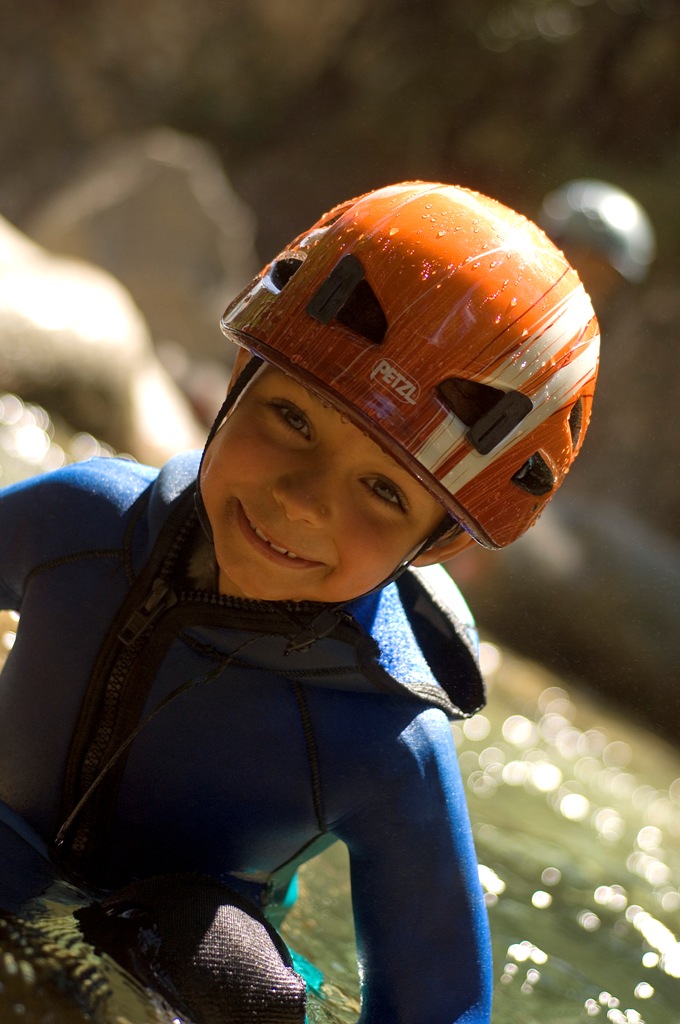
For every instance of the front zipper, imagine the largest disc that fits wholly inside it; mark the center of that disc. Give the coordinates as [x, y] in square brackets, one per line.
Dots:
[160, 598]
[100, 723]
[133, 636]
[140, 645]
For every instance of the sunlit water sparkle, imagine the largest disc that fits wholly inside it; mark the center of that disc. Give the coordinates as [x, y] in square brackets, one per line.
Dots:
[576, 818]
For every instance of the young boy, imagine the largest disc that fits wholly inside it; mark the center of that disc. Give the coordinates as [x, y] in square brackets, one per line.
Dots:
[222, 667]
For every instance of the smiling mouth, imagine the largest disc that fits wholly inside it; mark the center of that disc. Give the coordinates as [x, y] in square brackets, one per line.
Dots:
[277, 552]
[274, 547]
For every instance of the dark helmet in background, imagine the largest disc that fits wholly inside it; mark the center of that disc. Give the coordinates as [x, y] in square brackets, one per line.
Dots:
[595, 215]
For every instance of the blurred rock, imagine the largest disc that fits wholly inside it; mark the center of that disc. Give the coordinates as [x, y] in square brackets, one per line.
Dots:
[593, 593]
[157, 211]
[72, 339]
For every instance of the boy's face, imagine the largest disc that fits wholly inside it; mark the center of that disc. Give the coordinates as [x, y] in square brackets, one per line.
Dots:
[303, 506]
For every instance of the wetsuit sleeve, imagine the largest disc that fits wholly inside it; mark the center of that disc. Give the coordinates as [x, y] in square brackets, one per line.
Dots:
[41, 519]
[57, 515]
[21, 509]
[421, 924]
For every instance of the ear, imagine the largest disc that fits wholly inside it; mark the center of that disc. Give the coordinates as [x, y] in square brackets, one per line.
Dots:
[445, 549]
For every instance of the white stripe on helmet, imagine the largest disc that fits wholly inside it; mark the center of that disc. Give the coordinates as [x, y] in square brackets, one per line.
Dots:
[563, 385]
[565, 321]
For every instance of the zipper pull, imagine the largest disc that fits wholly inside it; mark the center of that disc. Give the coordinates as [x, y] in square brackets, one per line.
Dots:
[160, 598]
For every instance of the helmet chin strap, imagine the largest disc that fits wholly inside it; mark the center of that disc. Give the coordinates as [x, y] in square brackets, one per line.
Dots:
[326, 621]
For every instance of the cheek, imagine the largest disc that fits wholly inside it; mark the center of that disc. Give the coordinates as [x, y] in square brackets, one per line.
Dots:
[371, 545]
[231, 458]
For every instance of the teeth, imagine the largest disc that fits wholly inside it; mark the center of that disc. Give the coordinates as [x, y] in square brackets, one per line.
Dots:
[281, 551]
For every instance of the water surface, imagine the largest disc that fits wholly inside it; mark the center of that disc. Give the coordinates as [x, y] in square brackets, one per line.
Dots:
[576, 818]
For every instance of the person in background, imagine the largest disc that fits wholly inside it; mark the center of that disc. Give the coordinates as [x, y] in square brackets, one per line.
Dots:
[603, 231]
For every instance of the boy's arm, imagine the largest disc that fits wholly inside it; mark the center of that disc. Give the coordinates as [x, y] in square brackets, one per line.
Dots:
[21, 507]
[40, 519]
[421, 923]
[57, 515]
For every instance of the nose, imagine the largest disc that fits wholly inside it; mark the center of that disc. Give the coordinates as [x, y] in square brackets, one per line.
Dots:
[305, 494]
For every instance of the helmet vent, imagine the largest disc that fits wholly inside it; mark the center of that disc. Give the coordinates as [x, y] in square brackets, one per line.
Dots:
[282, 270]
[576, 423]
[489, 414]
[347, 297]
[535, 476]
[468, 399]
[363, 315]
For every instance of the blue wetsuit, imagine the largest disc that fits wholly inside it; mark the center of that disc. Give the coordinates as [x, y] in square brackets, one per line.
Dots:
[259, 757]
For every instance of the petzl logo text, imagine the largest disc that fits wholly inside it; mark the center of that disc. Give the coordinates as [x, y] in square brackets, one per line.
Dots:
[397, 382]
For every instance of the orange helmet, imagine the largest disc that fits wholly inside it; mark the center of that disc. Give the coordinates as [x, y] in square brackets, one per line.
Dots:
[449, 329]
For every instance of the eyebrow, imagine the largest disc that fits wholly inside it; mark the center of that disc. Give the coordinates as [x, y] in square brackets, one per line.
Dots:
[323, 403]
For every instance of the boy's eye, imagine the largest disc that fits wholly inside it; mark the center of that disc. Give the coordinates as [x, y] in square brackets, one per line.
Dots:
[292, 417]
[387, 492]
